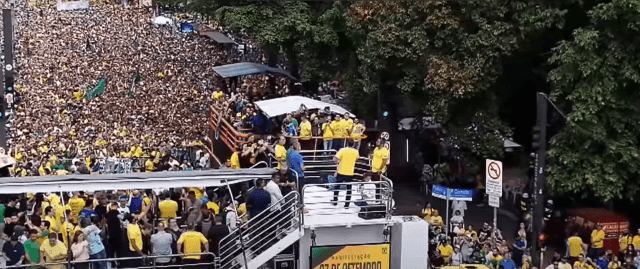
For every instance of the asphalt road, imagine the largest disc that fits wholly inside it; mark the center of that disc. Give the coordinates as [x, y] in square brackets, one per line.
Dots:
[409, 201]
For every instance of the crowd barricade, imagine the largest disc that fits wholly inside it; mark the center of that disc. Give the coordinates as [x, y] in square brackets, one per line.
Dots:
[151, 259]
[224, 130]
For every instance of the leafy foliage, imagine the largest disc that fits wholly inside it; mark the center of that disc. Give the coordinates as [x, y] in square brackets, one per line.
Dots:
[448, 53]
[597, 79]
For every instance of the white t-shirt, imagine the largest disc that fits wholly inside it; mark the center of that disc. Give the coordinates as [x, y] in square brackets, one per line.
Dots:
[276, 194]
[367, 192]
[459, 205]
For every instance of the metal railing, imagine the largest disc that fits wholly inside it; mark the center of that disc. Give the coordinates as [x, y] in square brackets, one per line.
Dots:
[261, 231]
[148, 262]
[317, 203]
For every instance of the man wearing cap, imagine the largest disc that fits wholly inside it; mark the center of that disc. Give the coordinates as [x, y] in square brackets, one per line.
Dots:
[13, 251]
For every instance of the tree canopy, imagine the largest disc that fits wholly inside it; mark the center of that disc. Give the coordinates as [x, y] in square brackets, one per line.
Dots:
[596, 80]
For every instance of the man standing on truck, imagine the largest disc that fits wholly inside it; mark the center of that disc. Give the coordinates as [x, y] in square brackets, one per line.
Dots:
[346, 159]
[597, 242]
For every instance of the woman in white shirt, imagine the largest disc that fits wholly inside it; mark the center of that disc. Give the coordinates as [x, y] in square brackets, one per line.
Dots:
[80, 250]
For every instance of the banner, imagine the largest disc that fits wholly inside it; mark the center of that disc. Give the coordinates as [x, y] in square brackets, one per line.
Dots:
[454, 194]
[98, 90]
[351, 257]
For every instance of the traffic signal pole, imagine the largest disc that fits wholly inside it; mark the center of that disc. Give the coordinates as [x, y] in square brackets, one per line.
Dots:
[540, 180]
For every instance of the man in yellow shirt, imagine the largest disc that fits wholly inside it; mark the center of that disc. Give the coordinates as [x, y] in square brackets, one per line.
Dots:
[581, 263]
[436, 219]
[597, 242]
[337, 127]
[235, 158]
[76, 204]
[379, 162]
[356, 133]
[134, 235]
[625, 240]
[346, 159]
[168, 207]
[574, 243]
[446, 250]
[347, 124]
[281, 152]
[305, 128]
[636, 241]
[327, 135]
[192, 241]
[53, 251]
[54, 226]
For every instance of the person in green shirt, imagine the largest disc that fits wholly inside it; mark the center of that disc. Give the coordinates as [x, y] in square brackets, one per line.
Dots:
[32, 249]
[1, 214]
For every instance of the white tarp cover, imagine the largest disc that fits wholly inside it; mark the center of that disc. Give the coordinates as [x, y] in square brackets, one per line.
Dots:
[281, 106]
[162, 20]
[72, 5]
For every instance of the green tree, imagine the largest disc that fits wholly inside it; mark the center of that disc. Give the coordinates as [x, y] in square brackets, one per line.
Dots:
[597, 79]
[445, 56]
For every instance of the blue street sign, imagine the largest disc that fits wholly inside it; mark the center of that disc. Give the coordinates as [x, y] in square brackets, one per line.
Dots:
[454, 194]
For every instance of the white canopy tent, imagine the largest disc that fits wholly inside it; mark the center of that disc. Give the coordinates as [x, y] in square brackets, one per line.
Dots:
[157, 180]
[281, 106]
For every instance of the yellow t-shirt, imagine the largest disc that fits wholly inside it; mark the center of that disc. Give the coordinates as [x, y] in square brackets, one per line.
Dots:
[235, 161]
[357, 132]
[575, 246]
[305, 129]
[624, 242]
[327, 134]
[580, 265]
[636, 241]
[437, 220]
[65, 229]
[54, 225]
[76, 204]
[337, 127]
[58, 213]
[597, 238]
[54, 199]
[380, 156]
[347, 126]
[445, 251]
[62, 173]
[427, 213]
[614, 265]
[242, 209]
[52, 252]
[213, 207]
[198, 191]
[192, 242]
[135, 236]
[348, 158]
[168, 209]
[281, 153]
[148, 165]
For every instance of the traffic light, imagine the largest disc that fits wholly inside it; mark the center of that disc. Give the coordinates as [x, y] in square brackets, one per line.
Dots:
[548, 210]
[542, 241]
[535, 143]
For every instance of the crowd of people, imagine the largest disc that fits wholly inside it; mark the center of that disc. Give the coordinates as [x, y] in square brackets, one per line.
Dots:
[462, 244]
[154, 100]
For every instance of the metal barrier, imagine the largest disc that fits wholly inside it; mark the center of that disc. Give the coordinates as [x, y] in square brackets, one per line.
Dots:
[151, 258]
[261, 231]
[324, 206]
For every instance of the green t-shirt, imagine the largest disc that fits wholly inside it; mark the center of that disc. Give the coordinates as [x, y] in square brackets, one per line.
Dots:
[1, 213]
[32, 249]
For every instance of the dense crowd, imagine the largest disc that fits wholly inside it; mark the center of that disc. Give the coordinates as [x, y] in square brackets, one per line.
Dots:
[155, 98]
